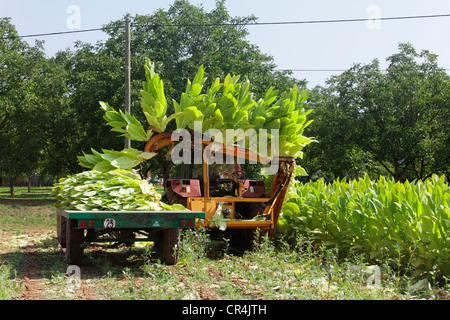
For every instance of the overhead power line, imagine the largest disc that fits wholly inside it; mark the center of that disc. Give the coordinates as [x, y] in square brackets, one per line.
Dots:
[312, 70]
[235, 24]
[59, 33]
[327, 70]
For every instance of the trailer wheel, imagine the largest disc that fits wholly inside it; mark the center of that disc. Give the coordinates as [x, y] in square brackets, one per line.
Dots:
[74, 240]
[61, 223]
[170, 246]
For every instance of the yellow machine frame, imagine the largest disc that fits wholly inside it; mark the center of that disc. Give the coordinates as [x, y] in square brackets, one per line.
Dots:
[209, 204]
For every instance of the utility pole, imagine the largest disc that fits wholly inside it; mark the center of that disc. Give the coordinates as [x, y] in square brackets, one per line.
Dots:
[127, 72]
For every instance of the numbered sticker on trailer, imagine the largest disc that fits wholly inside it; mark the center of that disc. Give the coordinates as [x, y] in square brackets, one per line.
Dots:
[109, 223]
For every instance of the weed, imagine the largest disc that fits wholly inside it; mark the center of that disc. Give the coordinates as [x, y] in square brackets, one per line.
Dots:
[9, 286]
[195, 244]
[285, 269]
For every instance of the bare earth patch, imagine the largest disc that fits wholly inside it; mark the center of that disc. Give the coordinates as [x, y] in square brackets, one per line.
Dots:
[36, 250]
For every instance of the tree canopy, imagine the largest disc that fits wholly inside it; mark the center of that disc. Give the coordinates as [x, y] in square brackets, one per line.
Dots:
[90, 73]
[28, 92]
[366, 120]
[394, 121]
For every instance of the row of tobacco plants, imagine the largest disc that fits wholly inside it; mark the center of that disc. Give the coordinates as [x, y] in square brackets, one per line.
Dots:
[406, 224]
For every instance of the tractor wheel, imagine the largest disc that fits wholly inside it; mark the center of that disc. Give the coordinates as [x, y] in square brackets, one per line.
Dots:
[61, 223]
[246, 239]
[74, 240]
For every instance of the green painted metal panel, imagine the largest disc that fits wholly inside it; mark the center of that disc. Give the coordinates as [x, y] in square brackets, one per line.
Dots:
[133, 219]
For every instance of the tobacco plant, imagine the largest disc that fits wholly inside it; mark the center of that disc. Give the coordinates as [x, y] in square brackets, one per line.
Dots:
[227, 104]
[408, 222]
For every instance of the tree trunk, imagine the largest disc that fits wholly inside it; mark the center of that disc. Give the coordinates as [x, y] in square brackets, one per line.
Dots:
[165, 166]
[165, 170]
[12, 188]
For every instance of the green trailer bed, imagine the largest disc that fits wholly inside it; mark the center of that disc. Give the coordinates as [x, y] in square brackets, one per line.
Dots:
[77, 228]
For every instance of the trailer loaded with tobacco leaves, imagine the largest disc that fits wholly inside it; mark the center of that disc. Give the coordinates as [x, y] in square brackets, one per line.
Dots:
[112, 203]
[117, 206]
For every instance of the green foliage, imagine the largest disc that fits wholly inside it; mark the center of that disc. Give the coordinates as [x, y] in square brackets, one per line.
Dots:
[9, 287]
[112, 160]
[124, 123]
[154, 103]
[28, 92]
[115, 190]
[225, 105]
[153, 99]
[404, 222]
[392, 122]
[90, 74]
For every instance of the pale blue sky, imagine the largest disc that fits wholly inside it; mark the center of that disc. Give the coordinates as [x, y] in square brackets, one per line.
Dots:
[314, 46]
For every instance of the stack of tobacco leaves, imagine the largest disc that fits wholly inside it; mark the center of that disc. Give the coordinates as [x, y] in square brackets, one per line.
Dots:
[117, 190]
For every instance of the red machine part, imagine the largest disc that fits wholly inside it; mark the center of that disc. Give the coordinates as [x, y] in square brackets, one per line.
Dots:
[186, 187]
[254, 189]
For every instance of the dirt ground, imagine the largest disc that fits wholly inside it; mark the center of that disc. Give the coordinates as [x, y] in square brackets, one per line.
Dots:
[41, 272]
[37, 253]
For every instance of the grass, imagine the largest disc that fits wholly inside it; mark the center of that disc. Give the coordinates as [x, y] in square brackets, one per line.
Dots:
[9, 285]
[26, 209]
[18, 217]
[271, 272]
[36, 195]
[207, 269]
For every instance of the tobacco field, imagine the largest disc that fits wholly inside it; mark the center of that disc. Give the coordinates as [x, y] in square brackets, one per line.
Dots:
[292, 267]
[407, 224]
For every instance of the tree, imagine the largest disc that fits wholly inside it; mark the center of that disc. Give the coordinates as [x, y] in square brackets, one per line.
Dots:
[59, 153]
[178, 40]
[22, 111]
[184, 37]
[88, 75]
[398, 118]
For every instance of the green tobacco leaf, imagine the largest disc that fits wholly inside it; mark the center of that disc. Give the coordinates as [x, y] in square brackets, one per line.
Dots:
[225, 105]
[104, 166]
[113, 190]
[373, 217]
[136, 132]
[196, 89]
[124, 123]
[125, 162]
[110, 159]
[147, 155]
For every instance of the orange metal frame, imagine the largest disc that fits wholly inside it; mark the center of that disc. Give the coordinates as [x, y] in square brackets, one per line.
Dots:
[209, 204]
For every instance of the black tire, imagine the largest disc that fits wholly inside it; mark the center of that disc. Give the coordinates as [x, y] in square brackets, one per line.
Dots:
[170, 246]
[61, 223]
[246, 239]
[74, 240]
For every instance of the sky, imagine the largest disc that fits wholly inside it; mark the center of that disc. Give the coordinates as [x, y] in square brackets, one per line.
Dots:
[326, 46]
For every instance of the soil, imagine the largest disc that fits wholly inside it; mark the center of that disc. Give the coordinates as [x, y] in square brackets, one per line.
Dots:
[32, 271]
